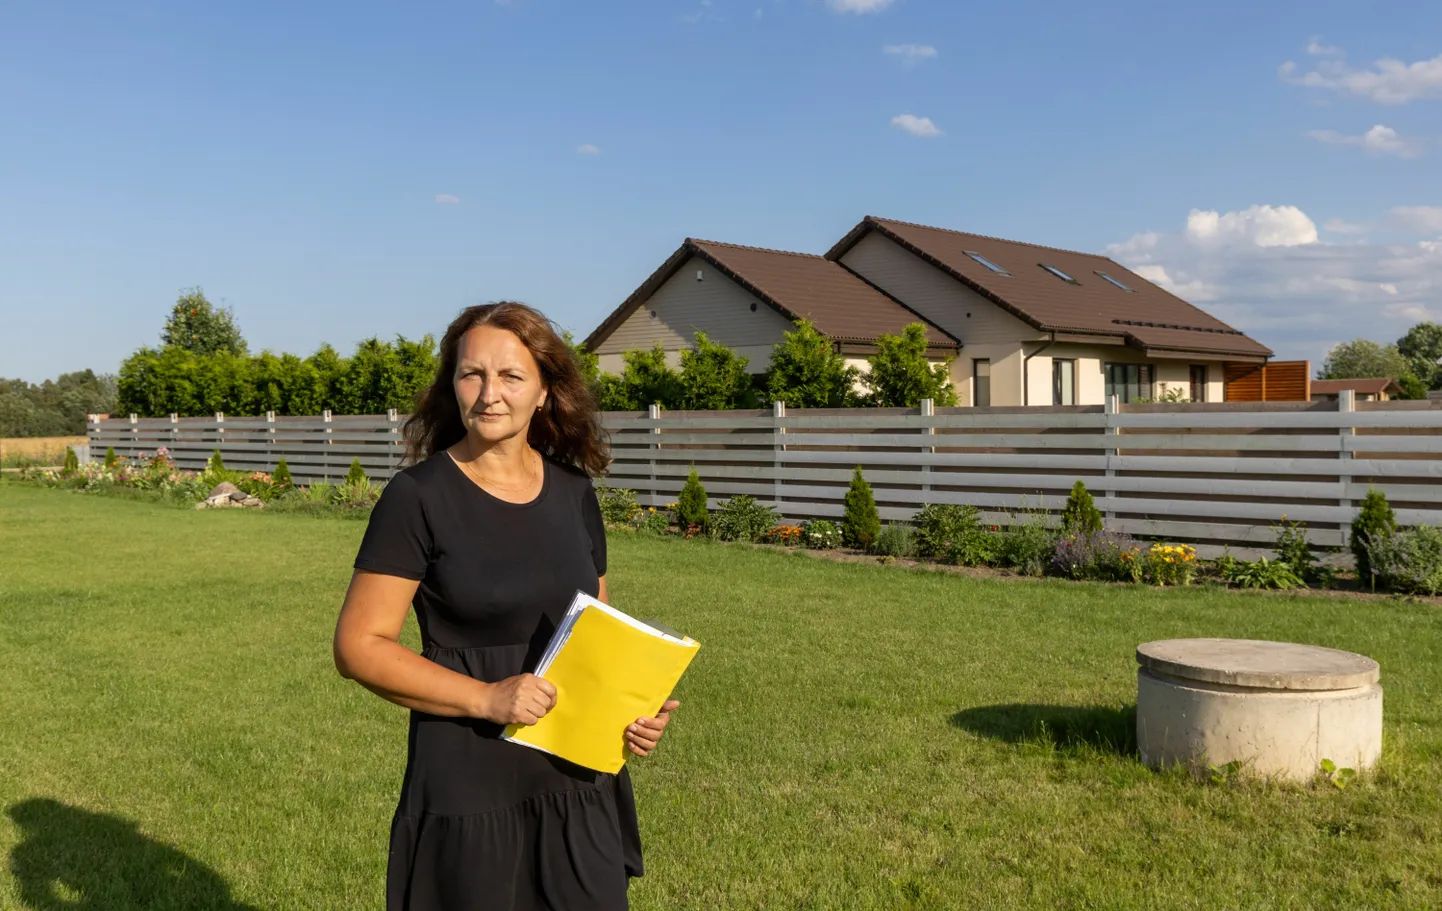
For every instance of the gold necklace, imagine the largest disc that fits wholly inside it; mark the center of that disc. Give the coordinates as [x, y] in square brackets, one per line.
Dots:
[530, 478]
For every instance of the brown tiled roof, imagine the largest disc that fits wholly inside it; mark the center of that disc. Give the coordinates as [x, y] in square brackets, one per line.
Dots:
[842, 306]
[1364, 386]
[1147, 316]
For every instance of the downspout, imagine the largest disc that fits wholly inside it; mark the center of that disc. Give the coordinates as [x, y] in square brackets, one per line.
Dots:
[1026, 369]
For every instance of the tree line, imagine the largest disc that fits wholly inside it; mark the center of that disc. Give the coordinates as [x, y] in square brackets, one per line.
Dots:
[203, 366]
[1414, 360]
[54, 408]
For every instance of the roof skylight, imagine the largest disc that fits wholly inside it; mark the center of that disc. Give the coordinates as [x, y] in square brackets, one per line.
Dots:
[1058, 273]
[986, 262]
[1115, 282]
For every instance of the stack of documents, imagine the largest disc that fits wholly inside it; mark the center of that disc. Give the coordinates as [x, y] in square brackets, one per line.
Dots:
[608, 669]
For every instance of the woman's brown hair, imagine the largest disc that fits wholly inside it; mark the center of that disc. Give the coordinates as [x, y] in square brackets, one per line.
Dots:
[568, 426]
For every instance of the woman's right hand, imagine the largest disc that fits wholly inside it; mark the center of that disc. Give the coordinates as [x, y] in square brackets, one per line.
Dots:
[523, 699]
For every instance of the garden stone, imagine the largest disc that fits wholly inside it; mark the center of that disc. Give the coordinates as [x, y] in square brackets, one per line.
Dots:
[1277, 709]
[224, 488]
[240, 496]
[251, 501]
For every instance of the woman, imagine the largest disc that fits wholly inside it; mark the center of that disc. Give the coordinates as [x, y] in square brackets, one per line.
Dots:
[489, 534]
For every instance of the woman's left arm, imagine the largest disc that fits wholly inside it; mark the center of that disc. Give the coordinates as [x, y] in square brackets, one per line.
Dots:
[643, 736]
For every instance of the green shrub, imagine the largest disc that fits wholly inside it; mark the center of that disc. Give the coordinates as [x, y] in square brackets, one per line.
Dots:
[72, 463]
[742, 518]
[1374, 521]
[895, 541]
[954, 534]
[861, 524]
[280, 479]
[358, 494]
[357, 474]
[820, 535]
[1080, 516]
[1294, 549]
[618, 504]
[1408, 561]
[216, 465]
[1027, 547]
[691, 505]
[111, 460]
[651, 521]
[1098, 556]
[1263, 573]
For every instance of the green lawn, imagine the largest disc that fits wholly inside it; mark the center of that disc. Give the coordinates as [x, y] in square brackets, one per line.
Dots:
[173, 734]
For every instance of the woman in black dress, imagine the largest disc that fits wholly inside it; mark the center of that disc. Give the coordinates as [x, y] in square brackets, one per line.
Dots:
[489, 534]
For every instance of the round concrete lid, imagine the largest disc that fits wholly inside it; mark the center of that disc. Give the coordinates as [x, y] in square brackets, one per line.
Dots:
[1260, 664]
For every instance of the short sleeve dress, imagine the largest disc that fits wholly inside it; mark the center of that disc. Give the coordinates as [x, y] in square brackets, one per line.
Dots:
[482, 823]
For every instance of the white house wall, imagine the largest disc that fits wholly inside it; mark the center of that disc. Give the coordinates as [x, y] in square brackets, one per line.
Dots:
[715, 305]
[937, 296]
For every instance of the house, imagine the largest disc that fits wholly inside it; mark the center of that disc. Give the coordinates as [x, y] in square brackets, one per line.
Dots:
[1366, 390]
[1024, 325]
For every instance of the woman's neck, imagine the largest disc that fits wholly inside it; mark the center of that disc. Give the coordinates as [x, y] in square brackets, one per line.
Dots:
[503, 460]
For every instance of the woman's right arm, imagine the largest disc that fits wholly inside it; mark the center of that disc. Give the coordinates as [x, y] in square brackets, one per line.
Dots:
[367, 650]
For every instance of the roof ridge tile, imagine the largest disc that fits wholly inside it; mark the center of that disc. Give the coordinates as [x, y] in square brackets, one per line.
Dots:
[1001, 240]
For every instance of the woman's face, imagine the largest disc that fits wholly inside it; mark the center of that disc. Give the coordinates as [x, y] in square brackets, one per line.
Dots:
[498, 384]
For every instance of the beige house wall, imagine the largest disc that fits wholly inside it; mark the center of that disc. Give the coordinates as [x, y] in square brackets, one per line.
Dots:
[683, 305]
[937, 296]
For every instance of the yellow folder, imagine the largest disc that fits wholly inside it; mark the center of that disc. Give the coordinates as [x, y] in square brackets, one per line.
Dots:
[608, 669]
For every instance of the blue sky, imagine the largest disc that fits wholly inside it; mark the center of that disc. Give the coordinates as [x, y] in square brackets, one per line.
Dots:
[339, 171]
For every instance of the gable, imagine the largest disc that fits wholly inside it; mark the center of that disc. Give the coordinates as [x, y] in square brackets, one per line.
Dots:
[716, 305]
[938, 297]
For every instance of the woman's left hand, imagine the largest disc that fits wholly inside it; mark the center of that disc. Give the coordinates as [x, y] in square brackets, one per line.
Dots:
[643, 736]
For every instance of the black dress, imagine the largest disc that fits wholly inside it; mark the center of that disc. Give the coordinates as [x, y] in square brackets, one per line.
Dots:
[484, 824]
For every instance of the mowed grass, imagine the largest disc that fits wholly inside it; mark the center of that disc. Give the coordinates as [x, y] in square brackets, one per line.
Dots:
[173, 734]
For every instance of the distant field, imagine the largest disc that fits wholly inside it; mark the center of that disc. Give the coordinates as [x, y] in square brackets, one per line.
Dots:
[852, 736]
[35, 450]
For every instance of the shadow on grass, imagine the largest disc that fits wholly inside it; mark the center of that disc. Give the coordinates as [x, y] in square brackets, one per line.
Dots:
[1107, 729]
[77, 860]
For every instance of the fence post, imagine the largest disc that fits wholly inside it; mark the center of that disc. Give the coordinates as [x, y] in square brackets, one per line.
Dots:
[653, 413]
[928, 410]
[220, 434]
[1112, 432]
[1346, 404]
[134, 435]
[269, 439]
[174, 435]
[778, 446]
[325, 460]
[396, 452]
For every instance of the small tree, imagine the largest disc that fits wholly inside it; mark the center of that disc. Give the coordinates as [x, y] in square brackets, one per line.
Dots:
[1080, 515]
[356, 477]
[280, 479]
[72, 463]
[1363, 358]
[691, 505]
[111, 460]
[216, 465]
[861, 524]
[200, 327]
[713, 377]
[806, 372]
[1422, 347]
[901, 376]
[647, 380]
[1374, 521]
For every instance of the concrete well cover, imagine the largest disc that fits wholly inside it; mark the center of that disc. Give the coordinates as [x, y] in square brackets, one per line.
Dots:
[1257, 663]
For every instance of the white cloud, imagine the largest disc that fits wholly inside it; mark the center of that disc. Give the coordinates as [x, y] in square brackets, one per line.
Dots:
[1341, 226]
[1263, 226]
[1264, 271]
[859, 6]
[1389, 81]
[916, 126]
[1316, 48]
[447, 199]
[586, 148]
[1378, 140]
[1419, 219]
[910, 54]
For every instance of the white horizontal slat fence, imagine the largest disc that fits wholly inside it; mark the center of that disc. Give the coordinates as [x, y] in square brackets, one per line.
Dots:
[1213, 475]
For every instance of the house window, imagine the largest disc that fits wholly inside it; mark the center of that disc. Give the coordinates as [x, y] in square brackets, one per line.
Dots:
[1115, 282]
[981, 383]
[1199, 382]
[1129, 382]
[1058, 273]
[986, 262]
[1063, 382]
